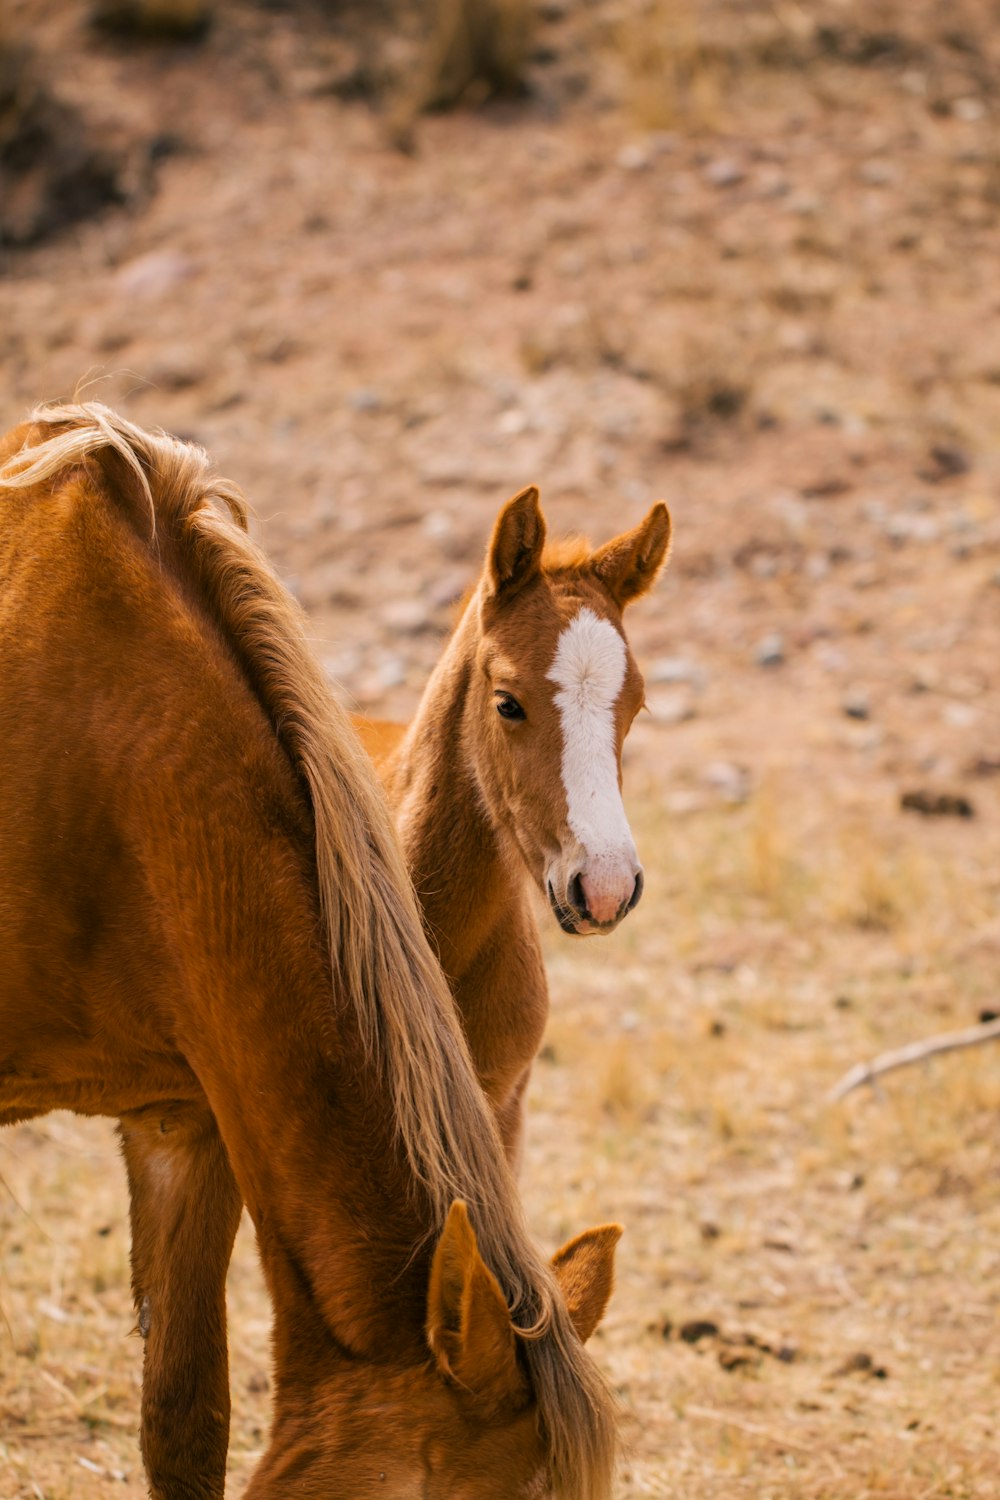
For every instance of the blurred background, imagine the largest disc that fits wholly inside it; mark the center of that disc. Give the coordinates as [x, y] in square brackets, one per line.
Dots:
[391, 261]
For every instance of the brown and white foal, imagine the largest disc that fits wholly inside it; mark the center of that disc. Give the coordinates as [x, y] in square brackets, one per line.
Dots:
[509, 777]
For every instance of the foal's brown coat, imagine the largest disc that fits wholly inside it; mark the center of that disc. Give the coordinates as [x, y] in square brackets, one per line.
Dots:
[207, 931]
[478, 801]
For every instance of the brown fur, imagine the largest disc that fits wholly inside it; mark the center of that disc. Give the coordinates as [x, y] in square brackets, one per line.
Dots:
[472, 812]
[208, 932]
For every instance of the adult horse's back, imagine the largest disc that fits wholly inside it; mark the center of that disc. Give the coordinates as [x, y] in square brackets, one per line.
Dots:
[207, 931]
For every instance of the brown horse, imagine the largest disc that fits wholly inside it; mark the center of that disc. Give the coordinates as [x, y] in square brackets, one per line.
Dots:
[208, 931]
[510, 777]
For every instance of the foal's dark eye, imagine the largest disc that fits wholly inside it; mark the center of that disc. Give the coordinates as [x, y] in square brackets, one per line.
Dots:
[508, 707]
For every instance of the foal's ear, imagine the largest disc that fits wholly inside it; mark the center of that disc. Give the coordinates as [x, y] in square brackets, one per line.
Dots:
[628, 565]
[515, 551]
[469, 1326]
[585, 1270]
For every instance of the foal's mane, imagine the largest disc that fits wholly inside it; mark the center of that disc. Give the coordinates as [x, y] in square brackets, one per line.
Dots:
[374, 929]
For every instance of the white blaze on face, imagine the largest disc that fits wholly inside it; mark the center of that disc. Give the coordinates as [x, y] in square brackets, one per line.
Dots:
[589, 671]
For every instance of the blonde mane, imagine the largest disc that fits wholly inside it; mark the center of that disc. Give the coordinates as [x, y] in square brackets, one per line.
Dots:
[373, 923]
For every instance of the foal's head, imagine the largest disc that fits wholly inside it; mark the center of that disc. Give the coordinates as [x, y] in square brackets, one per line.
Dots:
[554, 690]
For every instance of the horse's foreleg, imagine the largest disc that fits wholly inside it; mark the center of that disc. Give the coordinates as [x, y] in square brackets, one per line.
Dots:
[510, 1120]
[185, 1208]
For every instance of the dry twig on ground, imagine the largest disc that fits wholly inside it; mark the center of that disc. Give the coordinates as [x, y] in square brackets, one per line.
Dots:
[902, 1057]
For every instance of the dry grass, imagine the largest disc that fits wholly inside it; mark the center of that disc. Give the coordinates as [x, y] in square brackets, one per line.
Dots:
[472, 50]
[780, 940]
[674, 78]
[683, 1091]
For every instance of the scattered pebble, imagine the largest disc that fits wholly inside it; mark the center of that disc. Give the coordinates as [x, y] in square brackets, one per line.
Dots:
[407, 616]
[154, 274]
[861, 1364]
[437, 524]
[770, 651]
[670, 707]
[936, 804]
[511, 423]
[674, 669]
[178, 368]
[732, 781]
[696, 1329]
[985, 765]
[856, 704]
[878, 173]
[945, 461]
[960, 715]
[635, 157]
[364, 399]
[724, 172]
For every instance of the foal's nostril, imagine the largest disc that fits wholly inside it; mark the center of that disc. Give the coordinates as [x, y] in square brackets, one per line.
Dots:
[576, 896]
[636, 894]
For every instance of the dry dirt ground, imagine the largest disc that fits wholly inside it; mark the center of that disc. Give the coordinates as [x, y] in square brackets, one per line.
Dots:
[743, 257]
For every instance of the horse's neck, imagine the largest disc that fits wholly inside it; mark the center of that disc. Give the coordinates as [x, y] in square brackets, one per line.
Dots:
[468, 884]
[304, 1111]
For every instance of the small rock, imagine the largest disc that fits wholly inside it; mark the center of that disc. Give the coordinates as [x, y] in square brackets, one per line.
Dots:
[697, 1329]
[856, 704]
[770, 651]
[861, 1364]
[945, 461]
[959, 715]
[364, 400]
[985, 765]
[675, 669]
[732, 781]
[437, 524]
[670, 707]
[635, 157]
[906, 527]
[936, 804]
[155, 274]
[724, 172]
[512, 423]
[408, 616]
[177, 369]
[160, 20]
[391, 672]
[737, 1359]
[878, 173]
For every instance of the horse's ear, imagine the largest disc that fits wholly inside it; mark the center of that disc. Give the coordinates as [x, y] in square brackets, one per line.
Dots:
[628, 565]
[515, 551]
[469, 1326]
[585, 1270]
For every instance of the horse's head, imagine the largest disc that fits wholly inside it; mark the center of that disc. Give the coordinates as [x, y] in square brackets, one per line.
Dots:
[555, 689]
[464, 1425]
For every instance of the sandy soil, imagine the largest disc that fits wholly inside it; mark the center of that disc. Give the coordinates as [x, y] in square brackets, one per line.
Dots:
[744, 259]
